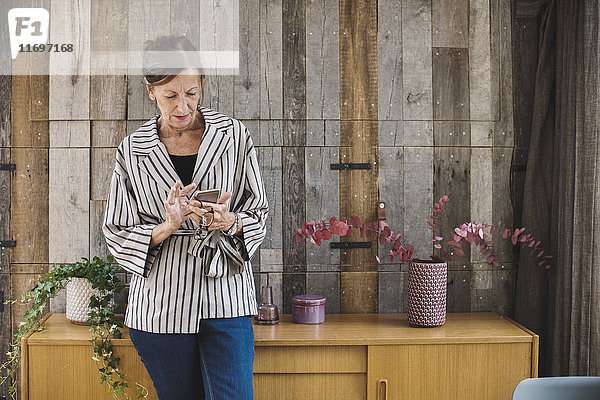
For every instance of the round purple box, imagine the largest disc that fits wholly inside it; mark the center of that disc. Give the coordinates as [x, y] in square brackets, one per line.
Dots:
[308, 309]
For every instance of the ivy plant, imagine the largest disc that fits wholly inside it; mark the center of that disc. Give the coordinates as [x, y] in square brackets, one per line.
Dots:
[102, 274]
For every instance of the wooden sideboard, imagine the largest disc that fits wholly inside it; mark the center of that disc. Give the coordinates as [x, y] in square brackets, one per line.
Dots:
[359, 356]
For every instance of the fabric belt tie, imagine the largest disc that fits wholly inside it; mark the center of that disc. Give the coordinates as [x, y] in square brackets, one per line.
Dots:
[225, 251]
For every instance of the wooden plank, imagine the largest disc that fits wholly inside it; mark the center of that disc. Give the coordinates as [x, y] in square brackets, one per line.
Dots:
[389, 52]
[322, 60]
[391, 133]
[450, 84]
[358, 65]
[4, 208]
[69, 133]
[326, 284]
[275, 280]
[69, 206]
[5, 88]
[452, 133]
[393, 287]
[450, 21]
[270, 133]
[322, 202]
[39, 113]
[359, 292]
[218, 94]
[293, 203]
[108, 90]
[452, 177]
[97, 240]
[481, 192]
[294, 132]
[142, 20]
[479, 60]
[219, 31]
[391, 191]
[503, 129]
[102, 167]
[186, 20]
[418, 133]
[293, 285]
[108, 133]
[504, 283]
[28, 268]
[270, 162]
[25, 91]
[271, 53]
[5, 324]
[459, 291]
[495, 61]
[5, 64]
[332, 132]
[29, 202]
[271, 260]
[294, 72]
[502, 206]
[418, 197]
[359, 136]
[69, 72]
[416, 60]
[481, 300]
[482, 133]
[315, 132]
[247, 84]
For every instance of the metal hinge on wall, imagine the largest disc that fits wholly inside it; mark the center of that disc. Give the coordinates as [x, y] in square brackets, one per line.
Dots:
[7, 243]
[350, 245]
[7, 167]
[348, 166]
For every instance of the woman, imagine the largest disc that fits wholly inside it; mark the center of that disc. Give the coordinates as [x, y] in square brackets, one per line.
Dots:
[192, 289]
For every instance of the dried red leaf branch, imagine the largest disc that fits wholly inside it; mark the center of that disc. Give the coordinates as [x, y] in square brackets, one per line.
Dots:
[478, 234]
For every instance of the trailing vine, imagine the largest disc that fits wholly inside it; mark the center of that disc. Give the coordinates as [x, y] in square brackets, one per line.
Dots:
[102, 275]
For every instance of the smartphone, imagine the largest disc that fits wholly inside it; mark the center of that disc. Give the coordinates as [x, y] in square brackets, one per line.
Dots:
[211, 195]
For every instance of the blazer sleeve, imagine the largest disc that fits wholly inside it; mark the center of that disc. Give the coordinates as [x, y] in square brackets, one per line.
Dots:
[127, 238]
[252, 206]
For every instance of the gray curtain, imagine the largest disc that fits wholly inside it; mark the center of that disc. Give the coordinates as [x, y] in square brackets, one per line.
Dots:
[561, 203]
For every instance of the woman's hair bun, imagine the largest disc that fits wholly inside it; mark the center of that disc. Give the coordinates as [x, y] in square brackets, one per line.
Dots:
[166, 56]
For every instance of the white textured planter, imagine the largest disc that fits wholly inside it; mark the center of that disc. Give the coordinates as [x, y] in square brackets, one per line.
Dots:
[79, 291]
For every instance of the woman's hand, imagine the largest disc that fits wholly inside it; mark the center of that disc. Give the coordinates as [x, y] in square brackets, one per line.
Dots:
[177, 210]
[177, 206]
[223, 219]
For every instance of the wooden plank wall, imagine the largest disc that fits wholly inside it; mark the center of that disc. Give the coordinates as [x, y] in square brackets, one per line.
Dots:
[422, 90]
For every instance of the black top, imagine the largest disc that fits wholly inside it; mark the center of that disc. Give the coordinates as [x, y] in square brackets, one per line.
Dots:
[184, 166]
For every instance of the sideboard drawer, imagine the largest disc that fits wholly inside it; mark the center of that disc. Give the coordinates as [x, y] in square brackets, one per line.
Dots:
[310, 359]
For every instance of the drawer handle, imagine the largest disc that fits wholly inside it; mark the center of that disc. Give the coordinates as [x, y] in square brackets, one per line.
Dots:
[382, 389]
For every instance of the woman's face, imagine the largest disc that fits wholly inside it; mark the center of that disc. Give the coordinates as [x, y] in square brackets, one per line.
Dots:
[178, 100]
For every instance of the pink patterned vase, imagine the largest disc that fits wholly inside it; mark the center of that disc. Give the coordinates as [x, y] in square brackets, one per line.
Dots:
[426, 293]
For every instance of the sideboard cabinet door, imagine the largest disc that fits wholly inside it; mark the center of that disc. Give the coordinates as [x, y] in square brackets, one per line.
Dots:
[447, 371]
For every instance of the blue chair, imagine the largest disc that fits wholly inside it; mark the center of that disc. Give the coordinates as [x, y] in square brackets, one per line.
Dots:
[559, 388]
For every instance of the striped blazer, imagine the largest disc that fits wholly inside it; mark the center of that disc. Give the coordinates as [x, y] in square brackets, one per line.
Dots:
[184, 280]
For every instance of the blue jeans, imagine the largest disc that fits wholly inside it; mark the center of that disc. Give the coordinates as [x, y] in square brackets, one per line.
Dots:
[214, 364]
